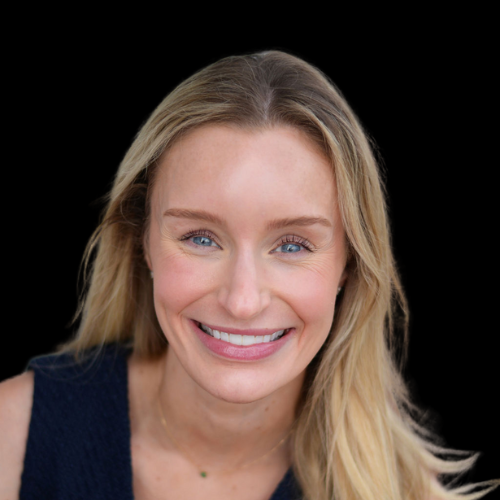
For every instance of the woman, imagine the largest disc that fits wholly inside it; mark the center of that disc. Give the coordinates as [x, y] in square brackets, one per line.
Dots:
[243, 296]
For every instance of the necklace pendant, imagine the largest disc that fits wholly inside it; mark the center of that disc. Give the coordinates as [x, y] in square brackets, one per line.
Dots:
[203, 473]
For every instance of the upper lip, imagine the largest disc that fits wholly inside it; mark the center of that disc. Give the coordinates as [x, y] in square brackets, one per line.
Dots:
[236, 331]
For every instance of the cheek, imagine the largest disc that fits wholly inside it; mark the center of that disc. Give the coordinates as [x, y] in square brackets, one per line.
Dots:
[311, 292]
[316, 312]
[179, 281]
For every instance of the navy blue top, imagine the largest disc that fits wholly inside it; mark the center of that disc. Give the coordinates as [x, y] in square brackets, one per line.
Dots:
[79, 435]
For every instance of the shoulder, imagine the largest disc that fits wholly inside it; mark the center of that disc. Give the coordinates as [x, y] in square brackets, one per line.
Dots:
[16, 399]
[54, 382]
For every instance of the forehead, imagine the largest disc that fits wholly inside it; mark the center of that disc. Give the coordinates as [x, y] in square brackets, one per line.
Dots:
[228, 167]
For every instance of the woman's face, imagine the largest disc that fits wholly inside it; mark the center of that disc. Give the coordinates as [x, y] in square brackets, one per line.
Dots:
[245, 240]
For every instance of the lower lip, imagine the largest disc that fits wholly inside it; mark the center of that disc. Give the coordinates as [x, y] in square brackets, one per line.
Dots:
[243, 353]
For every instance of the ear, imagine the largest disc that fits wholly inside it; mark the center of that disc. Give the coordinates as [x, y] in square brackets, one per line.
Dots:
[145, 249]
[343, 278]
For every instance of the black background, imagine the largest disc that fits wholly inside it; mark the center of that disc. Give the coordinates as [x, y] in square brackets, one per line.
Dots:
[77, 95]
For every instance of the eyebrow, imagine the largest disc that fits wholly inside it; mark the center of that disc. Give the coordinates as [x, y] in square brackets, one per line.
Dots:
[194, 215]
[202, 215]
[297, 221]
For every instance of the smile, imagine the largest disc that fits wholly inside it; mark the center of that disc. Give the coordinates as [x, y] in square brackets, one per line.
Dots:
[242, 340]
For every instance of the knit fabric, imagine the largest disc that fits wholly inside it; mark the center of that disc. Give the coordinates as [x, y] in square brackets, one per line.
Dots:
[79, 436]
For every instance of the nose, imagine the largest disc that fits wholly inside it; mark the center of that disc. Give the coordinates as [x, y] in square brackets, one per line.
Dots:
[243, 293]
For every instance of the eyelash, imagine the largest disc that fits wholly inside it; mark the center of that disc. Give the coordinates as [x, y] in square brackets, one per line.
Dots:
[283, 241]
[296, 240]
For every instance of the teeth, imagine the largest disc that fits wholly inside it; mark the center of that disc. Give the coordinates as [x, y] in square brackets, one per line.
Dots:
[243, 340]
[248, 340]
[235, 339]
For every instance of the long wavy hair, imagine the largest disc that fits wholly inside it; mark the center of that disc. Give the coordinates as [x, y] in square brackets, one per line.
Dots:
[358, 436]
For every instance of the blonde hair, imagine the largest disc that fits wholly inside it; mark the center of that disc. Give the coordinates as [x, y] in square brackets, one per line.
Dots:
[357, 434]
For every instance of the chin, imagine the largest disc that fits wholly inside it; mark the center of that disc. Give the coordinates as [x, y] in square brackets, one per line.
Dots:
[239, 391]
[238, 398]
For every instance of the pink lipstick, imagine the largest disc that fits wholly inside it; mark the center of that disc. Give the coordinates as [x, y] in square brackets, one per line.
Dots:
[263, 342]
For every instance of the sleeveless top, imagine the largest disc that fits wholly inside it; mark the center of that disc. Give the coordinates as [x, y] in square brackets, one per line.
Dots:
[78, 444]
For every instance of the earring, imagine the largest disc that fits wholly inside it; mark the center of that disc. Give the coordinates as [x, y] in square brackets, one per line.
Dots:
[151, 274]
[339, 289]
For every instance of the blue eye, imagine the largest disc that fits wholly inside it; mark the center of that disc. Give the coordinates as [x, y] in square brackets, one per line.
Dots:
[293, 244]
[200, 238]
[203, 241]
[290, 248]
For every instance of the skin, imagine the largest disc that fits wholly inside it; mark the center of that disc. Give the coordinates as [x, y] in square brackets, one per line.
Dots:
[229, 412]
[225, 412]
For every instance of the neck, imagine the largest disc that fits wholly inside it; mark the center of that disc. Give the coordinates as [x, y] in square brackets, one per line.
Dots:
[223, 434]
